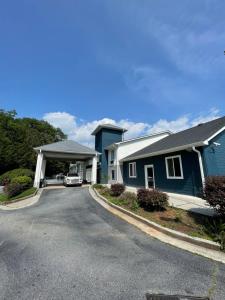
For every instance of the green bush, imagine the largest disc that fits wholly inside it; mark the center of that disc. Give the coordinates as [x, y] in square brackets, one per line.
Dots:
[98, 186]
[117, 189]
[216, 228]
[8, 176]
[129, 199]
[152, 199]
[25, 181]
[214, 193]
[13, 189]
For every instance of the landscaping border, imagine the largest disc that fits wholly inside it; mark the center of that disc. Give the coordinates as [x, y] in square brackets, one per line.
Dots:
[19, 199]
[170, 232]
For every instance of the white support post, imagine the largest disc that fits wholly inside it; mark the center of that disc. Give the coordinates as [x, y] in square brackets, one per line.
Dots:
[94, 170]
[38, 171]
[43, 167]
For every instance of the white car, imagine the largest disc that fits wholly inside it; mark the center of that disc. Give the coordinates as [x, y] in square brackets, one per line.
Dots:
[72, 179]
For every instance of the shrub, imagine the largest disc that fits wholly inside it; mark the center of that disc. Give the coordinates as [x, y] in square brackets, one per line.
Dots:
[25, 181]
[129, 199]
[117, 189]
[13, 189]
[214, 193]
[8, 176]
[152, 199]
[216, 228]
[98, 186]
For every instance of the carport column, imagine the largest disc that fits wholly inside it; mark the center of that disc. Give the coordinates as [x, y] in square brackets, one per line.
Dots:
[43, 169]
[94, 170]
[38, 169]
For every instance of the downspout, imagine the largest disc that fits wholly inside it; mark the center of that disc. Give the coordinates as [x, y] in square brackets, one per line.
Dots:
[200, 165]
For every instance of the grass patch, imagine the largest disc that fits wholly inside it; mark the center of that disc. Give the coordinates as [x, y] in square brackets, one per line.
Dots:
[28, 192]
[187, 222]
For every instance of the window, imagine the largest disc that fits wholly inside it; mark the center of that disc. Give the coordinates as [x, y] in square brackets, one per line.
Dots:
[112, 157]
[132, 170]
[174, 168]
[113, 175]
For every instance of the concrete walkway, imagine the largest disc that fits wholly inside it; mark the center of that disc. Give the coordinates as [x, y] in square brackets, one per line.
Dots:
[190, 203]
[194, 204]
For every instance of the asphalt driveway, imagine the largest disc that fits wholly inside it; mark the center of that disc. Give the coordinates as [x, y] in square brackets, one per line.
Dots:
[68, 247]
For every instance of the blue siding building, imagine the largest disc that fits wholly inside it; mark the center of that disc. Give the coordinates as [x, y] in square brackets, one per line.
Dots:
[179, 162]
[214, 156]
[190, 184]
[175, 163]
[105, 135]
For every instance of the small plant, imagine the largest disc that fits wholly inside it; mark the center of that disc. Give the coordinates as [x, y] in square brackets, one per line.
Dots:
[13, 189]
[152, 199]
[25, 181]
[216, 228]
[117, 189]
[177, 219]
[214, 193]
[129, 199]
[98, 186]
[105, 191]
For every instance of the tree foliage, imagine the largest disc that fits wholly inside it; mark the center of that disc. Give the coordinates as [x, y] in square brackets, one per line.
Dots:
[18, 137]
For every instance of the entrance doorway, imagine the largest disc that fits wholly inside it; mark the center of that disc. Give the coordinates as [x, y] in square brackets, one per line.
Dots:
[149, 177]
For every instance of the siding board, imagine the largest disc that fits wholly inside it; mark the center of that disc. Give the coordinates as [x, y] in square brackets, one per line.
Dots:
[190, 185]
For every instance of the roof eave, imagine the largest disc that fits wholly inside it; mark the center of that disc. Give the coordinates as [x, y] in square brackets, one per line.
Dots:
[175, 149]
[37, 149]
[215, 134]
[97, 129]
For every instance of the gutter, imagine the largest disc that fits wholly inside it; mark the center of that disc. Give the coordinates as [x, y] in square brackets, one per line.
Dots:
[200, 165]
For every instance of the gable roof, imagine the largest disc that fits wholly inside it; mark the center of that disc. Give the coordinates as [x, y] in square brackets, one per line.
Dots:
[195, 136]
[66, 146]
[113, 145]
[108, 126]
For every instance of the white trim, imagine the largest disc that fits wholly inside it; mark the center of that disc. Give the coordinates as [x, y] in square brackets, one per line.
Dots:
[215, 134]
[135, 169]
[200, 165]
[175, 149]
[146, 175]
[181, 167]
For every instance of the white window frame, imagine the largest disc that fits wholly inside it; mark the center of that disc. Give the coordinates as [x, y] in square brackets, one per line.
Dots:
[133, 164]
[112, 161]
[167, 168]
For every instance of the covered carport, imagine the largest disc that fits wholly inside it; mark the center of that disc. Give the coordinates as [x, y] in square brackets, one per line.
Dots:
[65, 150]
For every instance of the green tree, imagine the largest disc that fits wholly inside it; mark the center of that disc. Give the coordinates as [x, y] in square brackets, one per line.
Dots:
[18, 137]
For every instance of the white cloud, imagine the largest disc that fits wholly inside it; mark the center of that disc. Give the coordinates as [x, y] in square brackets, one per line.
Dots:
[80, 131]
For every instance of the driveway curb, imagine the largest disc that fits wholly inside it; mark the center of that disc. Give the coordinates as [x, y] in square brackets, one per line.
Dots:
[23, 202]
[20, 199]
[195, 245]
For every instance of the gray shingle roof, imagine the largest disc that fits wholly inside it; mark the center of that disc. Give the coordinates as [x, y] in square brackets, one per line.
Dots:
[66, 146]
[192, 136]
[108, 126]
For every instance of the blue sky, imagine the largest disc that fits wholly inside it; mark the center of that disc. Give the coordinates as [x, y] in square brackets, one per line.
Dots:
[148, 65]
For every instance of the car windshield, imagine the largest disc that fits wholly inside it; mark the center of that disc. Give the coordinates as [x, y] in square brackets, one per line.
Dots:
[72, 174]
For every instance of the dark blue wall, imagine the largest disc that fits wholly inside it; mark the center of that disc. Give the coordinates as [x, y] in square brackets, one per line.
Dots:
[214, 156]
[104, 138]
[190, 185]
